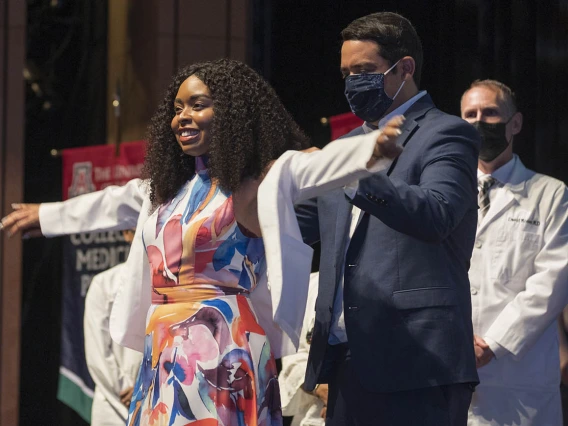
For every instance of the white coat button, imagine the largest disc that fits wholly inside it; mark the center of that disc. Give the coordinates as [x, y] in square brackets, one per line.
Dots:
[473, 291]
[478, 244]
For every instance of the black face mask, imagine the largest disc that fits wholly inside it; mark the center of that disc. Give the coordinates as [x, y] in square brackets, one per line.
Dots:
[493, 139]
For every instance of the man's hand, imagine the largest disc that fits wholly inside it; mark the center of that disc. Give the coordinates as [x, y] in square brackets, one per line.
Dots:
[564, 373]
[483, 355]
[386, 146]
[322, 392]
[126, 396]
[24, 219]
[563, 343]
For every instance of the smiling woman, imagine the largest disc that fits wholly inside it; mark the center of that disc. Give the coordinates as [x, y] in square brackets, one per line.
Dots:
[230, 115]
[206, 358]
[194, 114]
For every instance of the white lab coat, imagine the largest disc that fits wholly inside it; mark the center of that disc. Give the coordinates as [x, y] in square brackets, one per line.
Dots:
[519, 286]
[113, 368]
[280, 305]
[304, 407]
[114, 208]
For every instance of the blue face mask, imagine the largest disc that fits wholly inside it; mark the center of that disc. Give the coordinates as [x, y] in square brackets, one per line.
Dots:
[366, 94]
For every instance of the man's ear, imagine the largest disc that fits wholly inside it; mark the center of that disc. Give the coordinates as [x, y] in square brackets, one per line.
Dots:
[516, 123]
[407, 67]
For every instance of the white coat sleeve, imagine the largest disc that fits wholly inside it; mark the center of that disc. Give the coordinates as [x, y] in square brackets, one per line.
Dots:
[113, 208]
[103, 366]
[133, 298]
[339, 163]
[296, 176]
[291, 378]
[533, 310]
[294, 400]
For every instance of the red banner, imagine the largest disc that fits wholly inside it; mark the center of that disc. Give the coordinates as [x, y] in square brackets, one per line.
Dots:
[129, 162]
[342, 124]
[86, 170]
[92, 168]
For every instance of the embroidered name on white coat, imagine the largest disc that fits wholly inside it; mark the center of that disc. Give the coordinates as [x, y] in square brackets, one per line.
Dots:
[522, 220]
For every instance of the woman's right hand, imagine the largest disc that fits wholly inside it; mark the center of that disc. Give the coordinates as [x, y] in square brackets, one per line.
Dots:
[24, 219]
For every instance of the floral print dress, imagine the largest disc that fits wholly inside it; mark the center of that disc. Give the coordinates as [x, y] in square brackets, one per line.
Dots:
[206, 359]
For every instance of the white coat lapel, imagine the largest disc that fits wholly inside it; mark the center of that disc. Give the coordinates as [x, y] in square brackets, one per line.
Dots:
[496, 209]
[513, 192]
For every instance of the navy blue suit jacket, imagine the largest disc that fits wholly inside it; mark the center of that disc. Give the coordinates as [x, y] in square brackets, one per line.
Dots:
[406, 292]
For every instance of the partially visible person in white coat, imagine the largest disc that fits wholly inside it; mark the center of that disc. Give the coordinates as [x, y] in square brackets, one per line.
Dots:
[306, 408]
[113, 368]
[518, 274]
[111, 209]
[114, 208]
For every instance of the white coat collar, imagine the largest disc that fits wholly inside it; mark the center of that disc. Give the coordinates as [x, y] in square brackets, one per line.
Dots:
[517, 182]
[515, 189]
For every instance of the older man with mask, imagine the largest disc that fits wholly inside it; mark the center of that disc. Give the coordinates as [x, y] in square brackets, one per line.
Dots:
[519, 271]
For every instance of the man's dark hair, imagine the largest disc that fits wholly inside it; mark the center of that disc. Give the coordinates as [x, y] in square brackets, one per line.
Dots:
[394, 35]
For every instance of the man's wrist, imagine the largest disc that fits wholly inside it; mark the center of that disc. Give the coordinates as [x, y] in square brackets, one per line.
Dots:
[497, 350]
[311, 392]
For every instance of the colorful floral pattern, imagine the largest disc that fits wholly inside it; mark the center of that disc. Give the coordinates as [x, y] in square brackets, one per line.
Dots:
[206, 360]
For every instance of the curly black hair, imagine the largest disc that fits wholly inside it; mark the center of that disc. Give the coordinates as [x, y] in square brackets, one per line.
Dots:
[250, 128]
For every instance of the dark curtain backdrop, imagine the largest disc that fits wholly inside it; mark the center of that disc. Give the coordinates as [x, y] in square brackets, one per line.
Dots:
[65, 107]
[523, 43]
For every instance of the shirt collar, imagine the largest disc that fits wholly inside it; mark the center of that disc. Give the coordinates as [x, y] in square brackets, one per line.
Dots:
[502, 174]
[401, 110]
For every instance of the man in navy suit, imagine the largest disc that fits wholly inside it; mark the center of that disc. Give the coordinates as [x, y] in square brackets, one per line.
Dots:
[393, 334]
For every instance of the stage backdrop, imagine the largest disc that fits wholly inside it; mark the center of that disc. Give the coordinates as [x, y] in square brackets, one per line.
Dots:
[85, 255]
[341, 124]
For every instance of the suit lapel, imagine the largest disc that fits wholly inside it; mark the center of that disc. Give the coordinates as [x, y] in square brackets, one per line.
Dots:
[411, 123]
[342, 221]
[343, 216]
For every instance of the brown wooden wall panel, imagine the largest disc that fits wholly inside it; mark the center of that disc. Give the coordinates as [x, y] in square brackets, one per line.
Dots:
[150, 39]
[12, 48]
[203, 18]
[194, 49]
